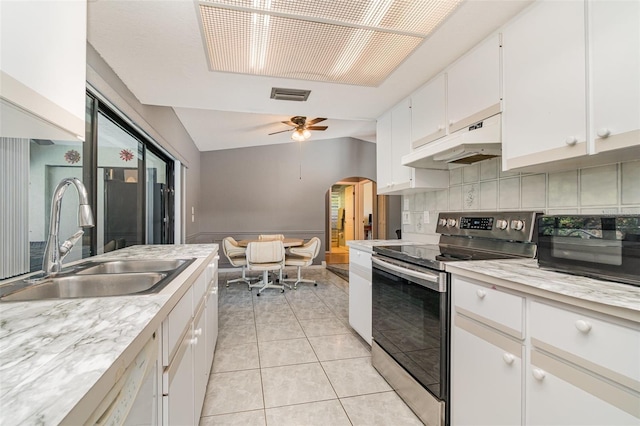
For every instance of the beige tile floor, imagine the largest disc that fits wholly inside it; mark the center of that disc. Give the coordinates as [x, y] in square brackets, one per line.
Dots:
[292, 359]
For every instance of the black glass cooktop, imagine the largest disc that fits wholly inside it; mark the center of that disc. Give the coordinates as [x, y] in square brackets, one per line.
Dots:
[434, 255]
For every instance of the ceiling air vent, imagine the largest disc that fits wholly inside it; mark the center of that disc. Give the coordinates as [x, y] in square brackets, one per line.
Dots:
[281, 94]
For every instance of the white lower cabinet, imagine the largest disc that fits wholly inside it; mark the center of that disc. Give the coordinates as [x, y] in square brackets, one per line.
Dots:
[360, 292]
[560, 394]
[570, 366]
[187, 365]
[486, 376]
[178, 386]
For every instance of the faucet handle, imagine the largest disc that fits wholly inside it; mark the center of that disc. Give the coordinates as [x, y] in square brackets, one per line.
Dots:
[66, 247]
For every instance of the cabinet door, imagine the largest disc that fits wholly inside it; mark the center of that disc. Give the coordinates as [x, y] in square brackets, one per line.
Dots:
[615, 73]
[43, 69]
[178, 401]
[544, 84]
[486, 376]
[200, 367]
[428, 112]
[360, 293]
[212, 317]
[473, 85]
[559, 394]
[400, 142]
[383, 152]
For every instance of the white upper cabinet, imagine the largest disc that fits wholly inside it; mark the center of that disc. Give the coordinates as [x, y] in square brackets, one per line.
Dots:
[43, 65]
[401, 141]
[383, 152]
[614, 47]
[544, 84]
[392, 143]
[473, 85]
[428, 112]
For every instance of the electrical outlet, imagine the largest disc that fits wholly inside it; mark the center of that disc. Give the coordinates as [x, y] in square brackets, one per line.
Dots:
[425, 217]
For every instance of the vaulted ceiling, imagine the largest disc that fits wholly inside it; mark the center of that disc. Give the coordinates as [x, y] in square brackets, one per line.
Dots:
[165, 53]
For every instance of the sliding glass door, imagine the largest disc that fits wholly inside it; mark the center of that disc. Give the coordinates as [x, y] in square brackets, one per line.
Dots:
[134, 186]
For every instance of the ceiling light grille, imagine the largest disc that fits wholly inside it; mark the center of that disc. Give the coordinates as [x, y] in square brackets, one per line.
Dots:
[355, 42]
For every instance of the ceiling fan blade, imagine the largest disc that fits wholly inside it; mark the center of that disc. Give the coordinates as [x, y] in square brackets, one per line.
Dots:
[281, 131]
[314, 121]
[289, 123]
[317, 127]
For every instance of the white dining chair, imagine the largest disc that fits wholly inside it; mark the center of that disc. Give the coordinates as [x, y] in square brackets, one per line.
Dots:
[266, 256]
[301, 257]
[237, 258]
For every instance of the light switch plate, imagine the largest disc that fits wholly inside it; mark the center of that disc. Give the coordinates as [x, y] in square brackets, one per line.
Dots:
[425, 217]
[406, 218]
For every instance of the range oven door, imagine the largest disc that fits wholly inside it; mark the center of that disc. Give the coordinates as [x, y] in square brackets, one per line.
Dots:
[410, 320]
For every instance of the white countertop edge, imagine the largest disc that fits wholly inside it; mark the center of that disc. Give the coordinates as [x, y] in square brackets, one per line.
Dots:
[601, 306]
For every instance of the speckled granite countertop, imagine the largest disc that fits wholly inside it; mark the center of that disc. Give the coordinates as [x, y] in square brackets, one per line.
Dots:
[620, 300]
[55, 355]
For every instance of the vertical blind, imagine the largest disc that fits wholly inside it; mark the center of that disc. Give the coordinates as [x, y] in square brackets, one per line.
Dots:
[14, 207]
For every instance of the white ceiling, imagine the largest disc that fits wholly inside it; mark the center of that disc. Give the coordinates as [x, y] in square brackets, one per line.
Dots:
[157, 50]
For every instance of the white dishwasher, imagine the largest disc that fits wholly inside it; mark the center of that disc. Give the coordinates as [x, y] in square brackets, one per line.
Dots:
[134, 399]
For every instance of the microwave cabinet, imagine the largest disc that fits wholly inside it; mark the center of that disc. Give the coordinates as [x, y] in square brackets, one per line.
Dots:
[547, 362]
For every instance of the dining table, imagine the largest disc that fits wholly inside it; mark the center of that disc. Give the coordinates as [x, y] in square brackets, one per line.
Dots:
[287, 242]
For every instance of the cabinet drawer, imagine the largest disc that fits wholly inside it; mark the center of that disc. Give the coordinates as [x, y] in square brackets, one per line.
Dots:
[609, 349]
[502, 311]
[360, 258]
[174, 327]
[199, 288]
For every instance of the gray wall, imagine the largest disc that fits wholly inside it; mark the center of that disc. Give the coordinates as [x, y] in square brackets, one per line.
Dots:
[161, 123]
[277, 188]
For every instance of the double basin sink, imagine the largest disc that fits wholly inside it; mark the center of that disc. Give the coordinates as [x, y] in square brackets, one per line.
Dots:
[98, 279]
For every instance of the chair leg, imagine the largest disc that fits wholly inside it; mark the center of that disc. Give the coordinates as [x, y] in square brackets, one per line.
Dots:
[265, 283]
[299, 280]
[242, 279]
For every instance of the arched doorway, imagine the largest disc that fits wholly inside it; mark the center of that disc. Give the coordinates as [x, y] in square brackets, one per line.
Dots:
[351, 215]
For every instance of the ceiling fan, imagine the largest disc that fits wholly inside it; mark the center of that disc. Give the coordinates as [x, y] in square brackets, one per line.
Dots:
[301, 127]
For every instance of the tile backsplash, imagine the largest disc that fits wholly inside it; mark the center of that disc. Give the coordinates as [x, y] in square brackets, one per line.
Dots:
[614, 188]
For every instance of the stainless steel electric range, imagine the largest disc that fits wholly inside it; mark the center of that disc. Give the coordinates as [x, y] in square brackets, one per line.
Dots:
[411, 303]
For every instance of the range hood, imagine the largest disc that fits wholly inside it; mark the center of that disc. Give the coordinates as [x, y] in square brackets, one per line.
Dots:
[477, 142]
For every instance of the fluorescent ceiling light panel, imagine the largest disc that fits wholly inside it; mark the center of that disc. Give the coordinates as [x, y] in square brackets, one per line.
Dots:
[356, 42]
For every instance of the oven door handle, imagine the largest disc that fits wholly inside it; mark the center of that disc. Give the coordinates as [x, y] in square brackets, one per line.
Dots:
[431, 278]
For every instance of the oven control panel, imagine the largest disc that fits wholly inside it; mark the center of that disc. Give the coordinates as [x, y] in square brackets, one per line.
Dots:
[518, 226]
[484, 223]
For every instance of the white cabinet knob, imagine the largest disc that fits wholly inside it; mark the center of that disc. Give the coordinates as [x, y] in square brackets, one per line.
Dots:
[193, 341]
[481, 293]
[197, 332]
[441, 127]
[583, 326]
[451, 122]
[571, 140]
[508, 358]
[538, 374]
[604, 133]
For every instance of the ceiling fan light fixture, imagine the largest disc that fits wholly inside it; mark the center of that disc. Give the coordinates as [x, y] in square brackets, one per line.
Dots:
[298, 135]
[306, 134]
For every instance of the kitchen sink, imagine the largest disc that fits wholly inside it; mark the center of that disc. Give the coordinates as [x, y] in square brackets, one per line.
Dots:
[98, 279]
[127, 266]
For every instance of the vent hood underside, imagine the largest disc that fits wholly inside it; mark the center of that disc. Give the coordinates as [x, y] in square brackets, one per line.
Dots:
[467, 146]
